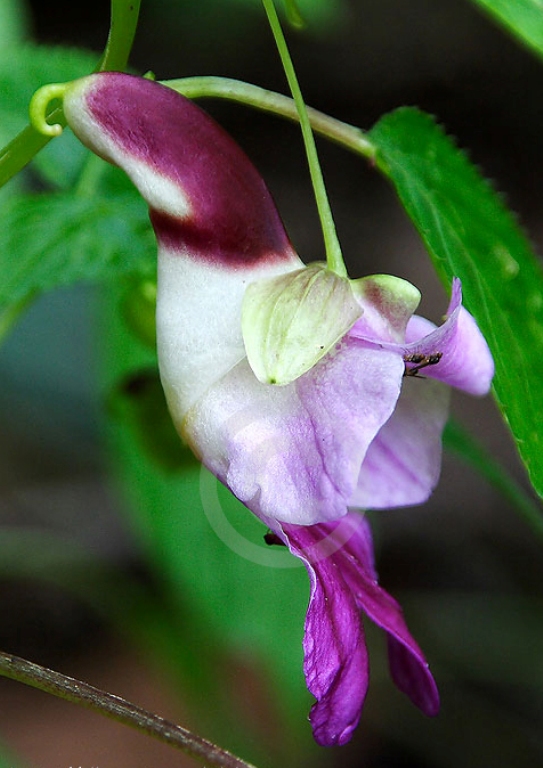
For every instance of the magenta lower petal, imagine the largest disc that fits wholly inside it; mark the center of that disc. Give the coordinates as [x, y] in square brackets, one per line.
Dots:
[335, 657]
[339, 560]
[408, 666]
[412, 675]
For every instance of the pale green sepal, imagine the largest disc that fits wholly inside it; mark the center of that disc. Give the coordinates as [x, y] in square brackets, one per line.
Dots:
[394, 299]
[290, 322]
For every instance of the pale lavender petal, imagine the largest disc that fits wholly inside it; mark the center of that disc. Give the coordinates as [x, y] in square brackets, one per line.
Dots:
[466, 362]
[402, 465]
[293, 453]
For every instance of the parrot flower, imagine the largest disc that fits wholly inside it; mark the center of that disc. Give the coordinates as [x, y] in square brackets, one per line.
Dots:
[299, 389]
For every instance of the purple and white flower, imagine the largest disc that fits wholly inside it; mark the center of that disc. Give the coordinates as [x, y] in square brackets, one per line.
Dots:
[358, 429]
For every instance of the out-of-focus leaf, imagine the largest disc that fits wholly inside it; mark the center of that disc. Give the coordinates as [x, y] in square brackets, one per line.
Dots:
[49, 241]
[139, 310]
[470, 234]
[461, 442]
[24, 69]
[129, 604]
[226, 21]
[319, 12]
[139, 399]
[13, 22]
[7, 759]
[522, 18]
[476, 633]
[46, 556]
[484, 649]
[294, 15]
[316, 11]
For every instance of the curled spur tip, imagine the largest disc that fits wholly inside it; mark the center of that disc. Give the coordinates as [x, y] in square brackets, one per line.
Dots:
[39, 104]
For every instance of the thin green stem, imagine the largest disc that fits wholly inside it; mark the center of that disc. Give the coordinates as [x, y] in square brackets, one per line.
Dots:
[118, 709]
[20, 151]
[348, 136]
[334, 256]
[122, 30]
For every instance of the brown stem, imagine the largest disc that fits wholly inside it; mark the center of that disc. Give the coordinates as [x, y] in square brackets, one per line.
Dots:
[118, 709]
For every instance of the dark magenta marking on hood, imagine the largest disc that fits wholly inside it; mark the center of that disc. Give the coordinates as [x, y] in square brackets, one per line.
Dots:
[233, 214]
[227, 248]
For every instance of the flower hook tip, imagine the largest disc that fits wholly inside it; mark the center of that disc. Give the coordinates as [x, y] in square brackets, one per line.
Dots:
[38, 108]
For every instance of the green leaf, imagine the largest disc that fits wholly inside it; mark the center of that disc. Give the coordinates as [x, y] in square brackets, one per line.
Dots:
[470, 234]
[523, 18]
[49, 241]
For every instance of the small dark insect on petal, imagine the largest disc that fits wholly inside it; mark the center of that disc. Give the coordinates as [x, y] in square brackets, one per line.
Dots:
[272, 538]
[420, 361]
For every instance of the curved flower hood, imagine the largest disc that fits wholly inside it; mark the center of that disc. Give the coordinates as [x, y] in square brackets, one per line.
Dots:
[216, 224]
[361, 427]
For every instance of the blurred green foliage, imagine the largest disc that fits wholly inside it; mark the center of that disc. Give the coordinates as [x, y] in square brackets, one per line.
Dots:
[13, 23]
